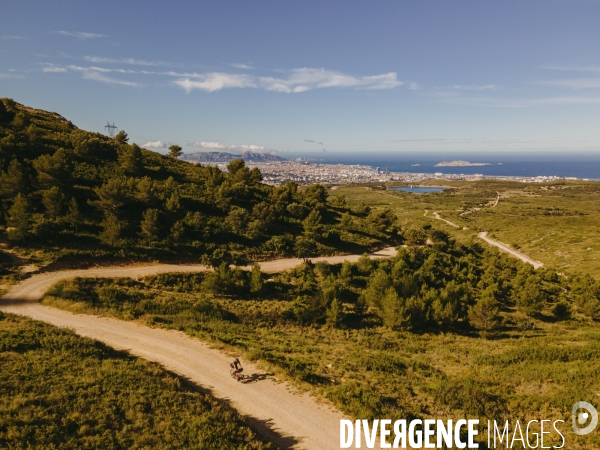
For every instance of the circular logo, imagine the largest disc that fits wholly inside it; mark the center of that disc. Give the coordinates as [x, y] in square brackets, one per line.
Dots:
[579, 418]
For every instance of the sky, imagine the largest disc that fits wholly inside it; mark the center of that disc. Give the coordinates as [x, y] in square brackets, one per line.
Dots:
[313, 76]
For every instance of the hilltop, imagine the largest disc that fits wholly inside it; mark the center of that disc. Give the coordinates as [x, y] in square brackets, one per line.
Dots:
[214, 157]
[67, 193]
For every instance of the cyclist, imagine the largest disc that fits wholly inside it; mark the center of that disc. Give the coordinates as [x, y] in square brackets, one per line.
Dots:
[236, 367]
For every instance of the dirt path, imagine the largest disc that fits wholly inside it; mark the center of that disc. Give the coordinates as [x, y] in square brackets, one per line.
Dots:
[504, 247]
[290, 419]
[438, 217]
[497, 200]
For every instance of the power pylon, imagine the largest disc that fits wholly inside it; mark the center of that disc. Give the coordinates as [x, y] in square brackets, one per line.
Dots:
[111, 130]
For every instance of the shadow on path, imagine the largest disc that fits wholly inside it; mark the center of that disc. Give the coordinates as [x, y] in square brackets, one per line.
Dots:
[255, 377]
[265, 428]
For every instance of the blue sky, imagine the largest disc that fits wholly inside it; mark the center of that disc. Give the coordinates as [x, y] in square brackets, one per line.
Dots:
[340, 76]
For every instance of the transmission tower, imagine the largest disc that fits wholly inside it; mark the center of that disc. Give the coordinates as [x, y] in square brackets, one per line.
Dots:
[111, 130]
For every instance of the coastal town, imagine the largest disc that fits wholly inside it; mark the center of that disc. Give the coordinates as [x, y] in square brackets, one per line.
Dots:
[303, 172]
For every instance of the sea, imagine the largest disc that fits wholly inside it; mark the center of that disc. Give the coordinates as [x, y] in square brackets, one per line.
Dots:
[578, 165]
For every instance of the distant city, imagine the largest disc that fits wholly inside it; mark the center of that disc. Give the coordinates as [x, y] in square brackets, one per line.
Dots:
[276, 171]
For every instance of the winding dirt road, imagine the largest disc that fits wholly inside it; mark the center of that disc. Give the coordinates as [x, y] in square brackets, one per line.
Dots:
[438, 217]
[288, 418]
[505, 248]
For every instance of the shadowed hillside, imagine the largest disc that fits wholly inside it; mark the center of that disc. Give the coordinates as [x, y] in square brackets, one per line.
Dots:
[76, 194]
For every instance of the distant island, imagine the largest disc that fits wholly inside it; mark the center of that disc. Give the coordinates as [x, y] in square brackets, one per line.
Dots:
[460, 164]
[218, 157]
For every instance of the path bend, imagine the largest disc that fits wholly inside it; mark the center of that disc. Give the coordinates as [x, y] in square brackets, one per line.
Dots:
[288, 418]
[505, 248]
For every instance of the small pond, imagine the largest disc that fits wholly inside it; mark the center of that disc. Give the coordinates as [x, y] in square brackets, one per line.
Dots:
[418, 189]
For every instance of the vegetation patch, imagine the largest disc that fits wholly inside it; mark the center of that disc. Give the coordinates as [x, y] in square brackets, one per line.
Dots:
[441, 330]
[60, 390]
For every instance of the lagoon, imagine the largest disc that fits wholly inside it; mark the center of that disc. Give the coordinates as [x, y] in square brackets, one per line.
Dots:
[418, 189]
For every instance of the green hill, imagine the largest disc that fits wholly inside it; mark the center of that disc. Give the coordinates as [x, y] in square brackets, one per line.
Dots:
[66, 391]
[75, 194]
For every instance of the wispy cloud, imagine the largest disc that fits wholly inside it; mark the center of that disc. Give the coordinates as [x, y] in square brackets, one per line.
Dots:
[81, 35]
[575, 83]
[92, 73]
[242, 66]
[11, 37]
[156, 144]
[305, 79]
[295, 81]
[215, 81]
[413, 86]
[98, 76]
[132, 61]
[313, 142]
[225, 147]
[51, 68]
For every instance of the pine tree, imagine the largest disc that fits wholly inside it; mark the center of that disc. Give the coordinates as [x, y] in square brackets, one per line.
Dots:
[346, 220]
[484, 314]
[73, 216]
[177, 231]
[312, 223]
[256, 283]
[334, 314]
[149, 225]
[392, 311]
[345, 275]
[112, 195]
[52, 170]
[122, 137]
[364, 264]
[146, 191]
[173, 203]
[112, 229]
[531, 300]
[13, 180]
[175, 151]
[53, 200]
[376, 289]
[131, 159]
[18, 219]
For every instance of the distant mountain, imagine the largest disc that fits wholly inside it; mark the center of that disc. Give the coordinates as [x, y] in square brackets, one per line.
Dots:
[214, 157]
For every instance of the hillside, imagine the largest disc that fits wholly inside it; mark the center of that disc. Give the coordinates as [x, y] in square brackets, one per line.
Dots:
[70, 194]
[66, 391]
[228, 157]
[446, 330]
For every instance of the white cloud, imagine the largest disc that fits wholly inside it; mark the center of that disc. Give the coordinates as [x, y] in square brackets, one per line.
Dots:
[93, 73]
[413, 86]
[225, 147]
[215, 81]
[242, 66]
[296, 81]
[98, 76]
[575, 83]
[80, 35]
[157, 144]
[305, 79]
[11, 37]
[54, 69]
[132, 61]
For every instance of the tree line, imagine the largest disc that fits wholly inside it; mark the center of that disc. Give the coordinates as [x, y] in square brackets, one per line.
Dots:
[63, 186]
